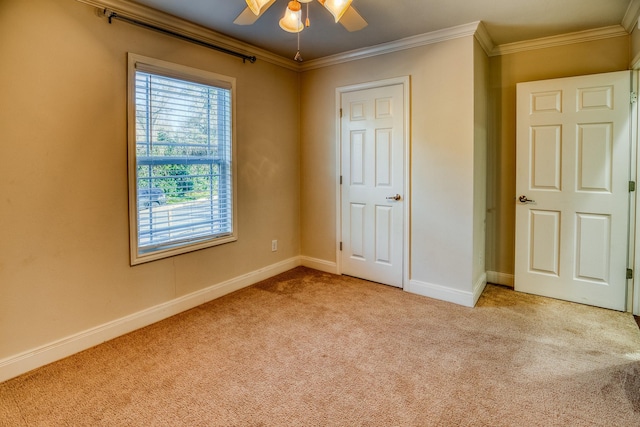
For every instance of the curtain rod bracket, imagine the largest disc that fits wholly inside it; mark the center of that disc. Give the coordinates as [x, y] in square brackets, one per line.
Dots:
[111, 15]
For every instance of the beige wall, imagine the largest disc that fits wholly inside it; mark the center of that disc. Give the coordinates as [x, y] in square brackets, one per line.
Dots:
[634, 56]
[480, 99]
[442, 157]
[599, 56]
[64, 253]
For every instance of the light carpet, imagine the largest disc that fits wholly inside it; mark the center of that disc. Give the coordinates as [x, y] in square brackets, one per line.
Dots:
[307, 348]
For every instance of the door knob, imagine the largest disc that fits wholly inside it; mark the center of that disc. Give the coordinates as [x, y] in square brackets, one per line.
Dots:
[523, 199]
[396, 197]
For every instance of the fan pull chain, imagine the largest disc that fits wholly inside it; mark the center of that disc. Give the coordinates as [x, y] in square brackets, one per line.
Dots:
[298, 57]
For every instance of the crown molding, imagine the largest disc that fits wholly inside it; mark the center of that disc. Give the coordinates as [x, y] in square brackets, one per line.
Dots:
[485, 40]
[476, 29]
[563, 39]
[631, 16]
[181, 26]
[394, 46]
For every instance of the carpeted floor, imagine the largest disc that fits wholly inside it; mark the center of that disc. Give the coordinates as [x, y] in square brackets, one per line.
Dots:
[313, 349]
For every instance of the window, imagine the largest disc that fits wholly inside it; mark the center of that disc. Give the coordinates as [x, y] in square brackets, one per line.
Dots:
[181, 159]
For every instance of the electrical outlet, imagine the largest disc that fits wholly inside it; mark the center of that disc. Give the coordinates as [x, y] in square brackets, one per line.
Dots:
[274, 245]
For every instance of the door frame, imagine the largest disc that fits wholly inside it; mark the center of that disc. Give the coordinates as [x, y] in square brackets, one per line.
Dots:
[633, 290]
[405, 81]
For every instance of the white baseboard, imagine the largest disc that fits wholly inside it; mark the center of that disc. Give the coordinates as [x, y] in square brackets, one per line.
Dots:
[443, 293]
[478, 287]
[500, 278]
[24, 362]
[319, 264]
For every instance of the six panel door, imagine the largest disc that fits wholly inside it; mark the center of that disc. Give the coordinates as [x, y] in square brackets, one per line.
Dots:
[372, 144]
[572, 201]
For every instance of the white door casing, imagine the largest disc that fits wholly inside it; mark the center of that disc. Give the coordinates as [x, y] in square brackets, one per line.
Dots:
[572, 201]
[373, 139]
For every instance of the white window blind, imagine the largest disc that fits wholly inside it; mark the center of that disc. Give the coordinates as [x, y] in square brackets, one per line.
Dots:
[183, 162]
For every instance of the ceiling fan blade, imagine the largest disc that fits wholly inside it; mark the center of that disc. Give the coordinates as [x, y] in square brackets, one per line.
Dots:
[352, 21]
[247, 17]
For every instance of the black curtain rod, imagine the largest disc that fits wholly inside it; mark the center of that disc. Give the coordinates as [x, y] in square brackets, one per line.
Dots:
[113, 15]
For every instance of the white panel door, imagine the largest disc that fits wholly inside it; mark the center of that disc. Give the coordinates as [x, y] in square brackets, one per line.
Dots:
[572, 174]
[372, 212]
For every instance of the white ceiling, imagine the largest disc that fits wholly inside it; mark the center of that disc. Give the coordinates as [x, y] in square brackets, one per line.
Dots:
[506, 21]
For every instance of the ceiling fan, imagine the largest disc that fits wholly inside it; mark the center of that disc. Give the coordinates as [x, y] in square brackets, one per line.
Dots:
[341, 10]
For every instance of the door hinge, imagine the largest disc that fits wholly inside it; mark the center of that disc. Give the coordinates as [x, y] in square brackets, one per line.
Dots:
[340, 245]
[632, 186]
[340, 179]
[629, 273]
[341, 113]
[634, 97]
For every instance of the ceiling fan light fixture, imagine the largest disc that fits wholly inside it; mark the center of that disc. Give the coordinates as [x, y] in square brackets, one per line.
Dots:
[292, 19]
[336, 7]
[257, 5]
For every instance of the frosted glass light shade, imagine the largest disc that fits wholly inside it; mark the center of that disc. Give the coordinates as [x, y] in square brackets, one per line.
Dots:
[336, 7]
[257, 5]
[292, 19]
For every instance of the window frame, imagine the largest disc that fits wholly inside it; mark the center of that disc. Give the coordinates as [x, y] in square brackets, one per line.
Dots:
[145, 64]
